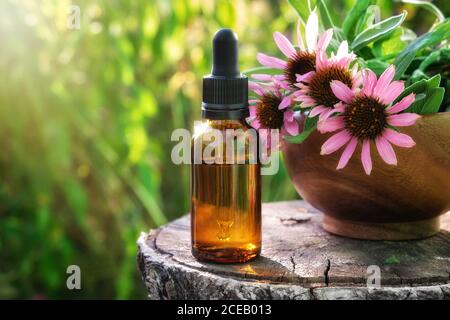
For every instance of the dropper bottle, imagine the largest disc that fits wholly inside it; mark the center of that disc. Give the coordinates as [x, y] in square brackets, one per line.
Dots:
[225, 182]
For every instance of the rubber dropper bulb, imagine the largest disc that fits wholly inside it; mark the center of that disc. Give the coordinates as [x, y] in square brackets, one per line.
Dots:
[225, 54]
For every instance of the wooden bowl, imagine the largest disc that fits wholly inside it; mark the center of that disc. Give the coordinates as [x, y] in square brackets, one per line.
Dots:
[393, 203]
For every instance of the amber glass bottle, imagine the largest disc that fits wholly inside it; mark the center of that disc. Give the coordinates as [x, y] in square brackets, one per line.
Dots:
[226, 202]
[225, 183]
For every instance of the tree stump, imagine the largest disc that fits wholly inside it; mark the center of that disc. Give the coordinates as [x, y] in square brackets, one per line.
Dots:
[299, 260]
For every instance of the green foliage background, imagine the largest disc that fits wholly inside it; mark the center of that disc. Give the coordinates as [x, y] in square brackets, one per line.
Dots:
[85, 123]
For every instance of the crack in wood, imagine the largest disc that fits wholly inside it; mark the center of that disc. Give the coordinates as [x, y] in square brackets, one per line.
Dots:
[327, 270]
[293, 263]
[293, 221]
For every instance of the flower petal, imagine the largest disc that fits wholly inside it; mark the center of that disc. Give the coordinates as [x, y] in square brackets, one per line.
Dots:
[312, 31]
[255, 124]
[369, 82]
[299, 35]
[292, 128]
[335, 142]
[279, 77]
[398, 139]
[262, 77]
[256, 87]
[384, 80]
[252, 111]
[402, 119]
[342, 50]
[347, 154]
[271, 62]
[324, 40]
[289, 115]
[317, 110]
[402, 104]
[366, 159]
[327, 114]
[290, 125]
[339, 107]
[306, 77]
[282, 84]
[284, 44]
[321, 60]
[286, 102]
[386, 151]
[357, 80]
[392, 92]
[331, 125]
[341, 91]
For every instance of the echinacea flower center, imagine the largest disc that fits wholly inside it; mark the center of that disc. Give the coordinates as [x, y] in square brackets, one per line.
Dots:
[319, 86]
[302, 62]
[365, 118]
[267, 112]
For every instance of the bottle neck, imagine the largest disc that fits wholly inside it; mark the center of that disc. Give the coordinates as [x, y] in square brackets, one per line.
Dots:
[228, 112]
[227, 123]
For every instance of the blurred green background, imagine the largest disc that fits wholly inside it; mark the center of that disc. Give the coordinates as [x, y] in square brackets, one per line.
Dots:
[85, 122]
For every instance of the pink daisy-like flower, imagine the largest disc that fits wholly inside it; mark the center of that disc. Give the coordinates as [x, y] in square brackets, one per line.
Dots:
[314, 87]
[299, 61]
[272, 109]
[369, 116]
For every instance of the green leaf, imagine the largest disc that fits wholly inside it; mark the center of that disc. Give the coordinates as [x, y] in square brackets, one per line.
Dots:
[445, 52]
[253, 96]
[430, 59]
[377, 31]
[297, 107]
[324, 14]
[392, 260]
[434, 81]
[303, 7]
[404, 59]
[377, 66]
[429, 95]
[402, 64]
[366, 53]
[327, 22]
[433, 101]
[367, 20]
[264, 70]
[352, 18]
[408, 35]
[417, 76]
[309, 126]
[427, 5]
[390, 45]
[417, 87]
[418, 103]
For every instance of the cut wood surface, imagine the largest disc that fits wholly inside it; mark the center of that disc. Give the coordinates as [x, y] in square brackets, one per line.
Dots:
[299, 260]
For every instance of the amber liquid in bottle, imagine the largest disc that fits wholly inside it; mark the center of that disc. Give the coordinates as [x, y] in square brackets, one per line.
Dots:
[226, 204]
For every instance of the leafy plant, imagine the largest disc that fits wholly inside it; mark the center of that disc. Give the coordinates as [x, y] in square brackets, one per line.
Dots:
[429, 95]
[419, 60]
[353, 94]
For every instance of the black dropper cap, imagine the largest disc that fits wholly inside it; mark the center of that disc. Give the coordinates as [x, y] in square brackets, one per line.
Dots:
[225, 90]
